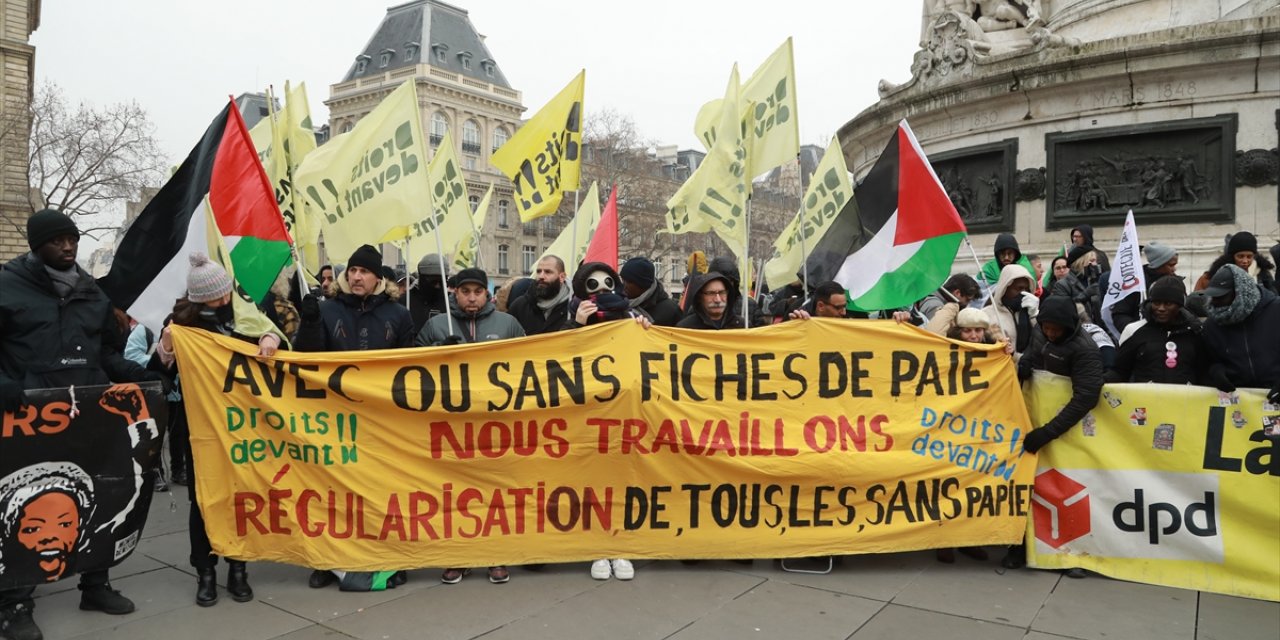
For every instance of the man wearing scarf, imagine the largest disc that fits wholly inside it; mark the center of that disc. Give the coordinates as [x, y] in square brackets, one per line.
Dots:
[1242, 333]
[545, 307]
[640, 283]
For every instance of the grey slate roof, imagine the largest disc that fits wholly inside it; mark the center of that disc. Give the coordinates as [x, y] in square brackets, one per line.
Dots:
[414, 32]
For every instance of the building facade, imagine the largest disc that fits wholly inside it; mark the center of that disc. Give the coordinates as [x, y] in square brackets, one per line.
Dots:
[1039, 116]
[18, 19]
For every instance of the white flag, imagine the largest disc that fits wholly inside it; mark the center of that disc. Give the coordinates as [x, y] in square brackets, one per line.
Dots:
[1127, 277]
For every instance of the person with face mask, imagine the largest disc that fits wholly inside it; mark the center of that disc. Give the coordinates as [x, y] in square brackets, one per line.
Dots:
[641, 285]
[207, 306]
[545, 307]
[427, 298]
[1167, 348]
[56, 330]
[1013, 307]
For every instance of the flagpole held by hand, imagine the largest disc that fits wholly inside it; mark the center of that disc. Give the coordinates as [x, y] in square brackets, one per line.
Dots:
[444, 280]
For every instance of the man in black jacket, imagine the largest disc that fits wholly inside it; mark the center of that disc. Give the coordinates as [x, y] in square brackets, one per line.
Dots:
[640, 283]
[56, 330]
[427, 298]
[361, 316]
[714, 303]
[1167, 348]
[545, 307]
[1059, 346]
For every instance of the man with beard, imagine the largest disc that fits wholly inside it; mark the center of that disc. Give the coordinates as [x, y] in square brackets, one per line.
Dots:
[326, 280]
[474, 318]
[640, 284]
[545, 308]
[427, 297]
[714, 304]
[1167, 348]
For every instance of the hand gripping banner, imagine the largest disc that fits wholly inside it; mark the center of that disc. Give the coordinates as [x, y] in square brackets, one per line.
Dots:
[806, 438]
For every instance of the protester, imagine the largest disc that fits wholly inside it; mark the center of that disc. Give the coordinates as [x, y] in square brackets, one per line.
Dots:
[1059, 269]
[1012, 308]
[57, 330]
[545, 307]
[790, 298]
[1162, 261]
[512, 290]
[1242, 251]
[1242, 332]
[361, 316]
[1060, 347]
[276, 306]
[138, 348]
[728, 267]
[1037, 270]
[1006, 253]
[942, 306]
[1088, 284]
[207, 306]
[829, 300]
[713, 304]
[1082, 237]
[326, 280]
[1167, 347]
[474, 317]
[427, 298]
[641, 286]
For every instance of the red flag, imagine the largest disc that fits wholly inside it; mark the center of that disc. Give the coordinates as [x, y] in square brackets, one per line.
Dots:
[604, 242]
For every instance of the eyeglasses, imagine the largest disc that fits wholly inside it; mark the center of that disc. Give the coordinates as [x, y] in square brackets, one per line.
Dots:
[716, 294]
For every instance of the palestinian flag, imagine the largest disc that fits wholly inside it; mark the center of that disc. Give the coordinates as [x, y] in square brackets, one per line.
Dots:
[895, 240]
[221, 179]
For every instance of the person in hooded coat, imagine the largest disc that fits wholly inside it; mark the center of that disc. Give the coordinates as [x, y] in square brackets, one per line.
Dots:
[1006, 252]
[1168, 347]
[427, 297]
[1242, 251]
[713, 302]
[728, 267]
[1013, 307]
[1082, 236]
[1243, 332]
[641, 286]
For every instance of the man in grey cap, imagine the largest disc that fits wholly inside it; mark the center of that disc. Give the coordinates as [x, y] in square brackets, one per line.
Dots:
[427, 297]
[1162, 260]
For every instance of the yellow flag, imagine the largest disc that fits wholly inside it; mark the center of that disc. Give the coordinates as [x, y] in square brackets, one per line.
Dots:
[714, 198]
[449, 214]
[250, 321]
[544, 157]
[299, 140]
[370, 184]
[768, 105]
[829, 189]
[467, 253]
[569, 246]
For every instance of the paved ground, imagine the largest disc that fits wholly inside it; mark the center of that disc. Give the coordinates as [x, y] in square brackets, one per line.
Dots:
[907, 595]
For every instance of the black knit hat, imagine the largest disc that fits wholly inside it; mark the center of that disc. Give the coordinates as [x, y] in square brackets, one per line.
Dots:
[1168, 289]
[368, 258]
[47, 224]
[1243, 241]
[639, 271]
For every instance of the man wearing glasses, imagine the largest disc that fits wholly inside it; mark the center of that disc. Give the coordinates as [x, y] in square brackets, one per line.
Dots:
[716, 304]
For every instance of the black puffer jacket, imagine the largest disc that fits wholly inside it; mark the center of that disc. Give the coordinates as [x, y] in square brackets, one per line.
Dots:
[1142, 357]
[1248, 349]
[697, 319]
[1075, 355]
[534, 320]
[661, 308]
[351, 323]
[47, 341]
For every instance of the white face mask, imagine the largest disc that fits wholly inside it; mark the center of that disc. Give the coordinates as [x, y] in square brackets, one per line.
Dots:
[599, 282]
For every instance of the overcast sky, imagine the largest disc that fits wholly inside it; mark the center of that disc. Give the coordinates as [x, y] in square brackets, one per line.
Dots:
[655, 60]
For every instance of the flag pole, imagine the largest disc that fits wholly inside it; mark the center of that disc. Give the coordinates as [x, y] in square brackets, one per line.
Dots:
[985, 285]
[293, 245]
[404, 251]
[444, 280]
[744, 267]
[804, 250]
[573, 247]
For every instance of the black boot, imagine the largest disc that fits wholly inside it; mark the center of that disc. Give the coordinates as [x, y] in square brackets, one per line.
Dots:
[16, 623]
[105, 599]
[238, 582]
[207, 587]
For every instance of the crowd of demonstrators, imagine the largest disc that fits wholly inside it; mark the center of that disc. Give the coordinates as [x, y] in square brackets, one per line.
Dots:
[544, 308]
[57, 329]
[1242, 251]
[1242, 332]
[1162, 261]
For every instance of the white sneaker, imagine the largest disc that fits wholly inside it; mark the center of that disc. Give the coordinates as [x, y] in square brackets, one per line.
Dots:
[623, 570]
[600, 570]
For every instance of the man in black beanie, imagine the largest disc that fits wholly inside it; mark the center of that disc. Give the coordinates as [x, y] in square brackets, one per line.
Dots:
[1167, 348]
[57, 330]
[645, 292]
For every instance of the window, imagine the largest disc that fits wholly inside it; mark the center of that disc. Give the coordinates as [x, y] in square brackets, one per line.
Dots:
[674, 273]
[469, 163]
[384, 58]
[439, 125]
[503, 266]
[411, 51]
[470, 137]
[488, 67]
[263, 112]
[499, 137]
[465, 58]
[347, 126]
[528, 254]
[362, 62]
[503, 223]
[440, 49]
[474, 201]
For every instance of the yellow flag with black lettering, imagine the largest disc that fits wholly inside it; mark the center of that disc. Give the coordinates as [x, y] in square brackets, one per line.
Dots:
[299, 140]
[449, 214]
[714, 198]
[768, 104]
[829, 189]
[370, 184]
[544, 157]
[467, 254]
[571, 245]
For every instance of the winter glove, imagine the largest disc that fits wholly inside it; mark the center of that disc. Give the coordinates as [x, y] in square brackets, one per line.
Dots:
[310, 310]
[1218, 377]
[452, 340]
[12, 396]
[1024, 372]
[1274, 396]
[1031, 303]
[1037, 439]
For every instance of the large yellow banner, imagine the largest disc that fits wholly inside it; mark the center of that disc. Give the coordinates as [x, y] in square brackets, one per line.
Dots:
[801, 439]
[1165, 484]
